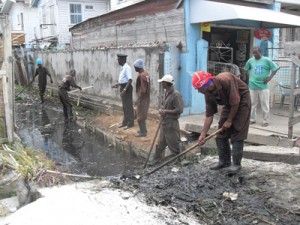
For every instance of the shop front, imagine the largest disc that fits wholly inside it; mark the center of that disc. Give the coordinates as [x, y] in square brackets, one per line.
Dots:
[227, 34]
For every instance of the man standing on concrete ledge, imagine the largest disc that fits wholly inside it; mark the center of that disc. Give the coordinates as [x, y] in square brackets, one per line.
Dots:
[143, 96]
[260, 70]
[233, 94]
[170, 113]
[125, 80]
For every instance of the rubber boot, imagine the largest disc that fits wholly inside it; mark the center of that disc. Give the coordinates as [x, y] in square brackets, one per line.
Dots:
[42, 98]
[237, 154]
[143, 130]
[224, 154]
[158, 155]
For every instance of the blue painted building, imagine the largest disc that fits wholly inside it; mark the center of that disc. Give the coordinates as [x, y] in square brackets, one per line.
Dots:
[233, 30]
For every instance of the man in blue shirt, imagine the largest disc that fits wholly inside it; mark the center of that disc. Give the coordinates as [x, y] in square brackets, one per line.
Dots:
[125, 80]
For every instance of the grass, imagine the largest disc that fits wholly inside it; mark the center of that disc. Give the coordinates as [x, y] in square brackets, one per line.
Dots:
[31, 165]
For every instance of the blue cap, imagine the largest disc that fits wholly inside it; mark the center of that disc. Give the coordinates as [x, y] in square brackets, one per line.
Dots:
[139, 63]
[39, 61]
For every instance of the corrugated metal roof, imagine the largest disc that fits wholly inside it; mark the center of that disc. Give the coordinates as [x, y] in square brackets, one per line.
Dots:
[145, 7]
[35, 3]
[7, 6]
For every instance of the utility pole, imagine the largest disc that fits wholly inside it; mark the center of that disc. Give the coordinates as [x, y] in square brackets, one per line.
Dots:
[7, 79]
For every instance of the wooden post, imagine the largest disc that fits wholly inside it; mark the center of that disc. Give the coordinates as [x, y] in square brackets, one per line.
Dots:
[292, 100]
[8, 88]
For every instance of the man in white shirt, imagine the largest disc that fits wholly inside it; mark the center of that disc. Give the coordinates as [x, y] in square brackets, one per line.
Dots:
[125, 80]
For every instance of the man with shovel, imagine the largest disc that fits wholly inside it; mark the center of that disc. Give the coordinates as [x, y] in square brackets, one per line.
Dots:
[42, 72]
[233, 95]
[170, 113]
[63, 89]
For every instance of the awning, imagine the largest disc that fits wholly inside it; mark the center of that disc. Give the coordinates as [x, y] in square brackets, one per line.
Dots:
[207, 11]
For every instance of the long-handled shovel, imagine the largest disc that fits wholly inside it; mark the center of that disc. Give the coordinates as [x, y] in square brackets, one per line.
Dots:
[24, 88]
[158, 128]
[182, 153]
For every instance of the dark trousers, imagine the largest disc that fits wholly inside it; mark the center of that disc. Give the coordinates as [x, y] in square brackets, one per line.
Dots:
[127, 103]
[169, 136]
[65, 100]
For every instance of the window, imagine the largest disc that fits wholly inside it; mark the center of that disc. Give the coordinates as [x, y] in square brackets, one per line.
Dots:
[121, 1]
[44, 15]
[89, 7]
[20, 21]
[75, 13]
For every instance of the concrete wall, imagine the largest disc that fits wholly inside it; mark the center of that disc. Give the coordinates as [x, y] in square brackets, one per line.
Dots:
[100, 68]
[148, 29]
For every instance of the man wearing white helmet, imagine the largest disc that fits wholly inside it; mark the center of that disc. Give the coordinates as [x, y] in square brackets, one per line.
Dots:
[170, 112]
[143, 96]
[42, 72]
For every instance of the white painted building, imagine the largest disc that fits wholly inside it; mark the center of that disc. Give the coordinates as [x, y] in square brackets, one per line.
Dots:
[118, 4]
[291, 7]
[50, 20]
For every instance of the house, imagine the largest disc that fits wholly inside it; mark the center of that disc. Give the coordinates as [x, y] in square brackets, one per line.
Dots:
[118, 4]
[291, 7]
[24, 23]
[46, 22]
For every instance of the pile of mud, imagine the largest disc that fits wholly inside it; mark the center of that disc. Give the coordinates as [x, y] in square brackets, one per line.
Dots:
[263, 193]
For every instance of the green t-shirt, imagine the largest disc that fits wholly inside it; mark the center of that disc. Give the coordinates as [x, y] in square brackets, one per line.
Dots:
[259, 70]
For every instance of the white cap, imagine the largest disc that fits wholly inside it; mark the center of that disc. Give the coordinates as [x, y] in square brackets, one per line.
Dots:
[167, 78]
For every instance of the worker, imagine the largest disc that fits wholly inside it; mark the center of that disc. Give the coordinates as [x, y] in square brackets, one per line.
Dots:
[63, 88]
[169, 113]
[143, 96]
[124, 83]
[42, 72]
[233, 95]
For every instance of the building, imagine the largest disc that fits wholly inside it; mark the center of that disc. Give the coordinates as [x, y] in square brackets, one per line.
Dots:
[47, 22]
[118, 4]
[206, 35]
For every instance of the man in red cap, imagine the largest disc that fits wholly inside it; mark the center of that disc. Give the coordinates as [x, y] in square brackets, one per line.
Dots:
[233, 94]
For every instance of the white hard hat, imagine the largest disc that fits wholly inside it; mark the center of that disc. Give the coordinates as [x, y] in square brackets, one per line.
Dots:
[167, 78]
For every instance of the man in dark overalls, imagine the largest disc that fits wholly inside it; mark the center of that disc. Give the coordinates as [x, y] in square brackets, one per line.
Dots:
[42, 72]
[125, 80]
[170, 113]
[63, 89]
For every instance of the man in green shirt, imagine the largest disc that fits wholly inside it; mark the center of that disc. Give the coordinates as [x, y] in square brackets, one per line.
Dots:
[260, 71]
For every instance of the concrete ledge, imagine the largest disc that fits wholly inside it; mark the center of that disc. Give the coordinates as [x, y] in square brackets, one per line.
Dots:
[273, 154]
[254, 136]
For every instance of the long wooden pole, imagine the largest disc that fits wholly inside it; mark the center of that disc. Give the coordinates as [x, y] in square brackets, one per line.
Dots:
[184, 152]
[158, 128]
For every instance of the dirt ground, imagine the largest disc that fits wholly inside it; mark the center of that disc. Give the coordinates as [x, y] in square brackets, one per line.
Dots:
[262, 193]
[266, 193]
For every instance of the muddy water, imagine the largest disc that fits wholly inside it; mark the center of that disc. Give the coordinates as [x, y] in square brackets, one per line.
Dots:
[78, 149]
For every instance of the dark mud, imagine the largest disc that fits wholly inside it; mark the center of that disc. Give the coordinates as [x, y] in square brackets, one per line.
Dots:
[264, 195]
[74, 149]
